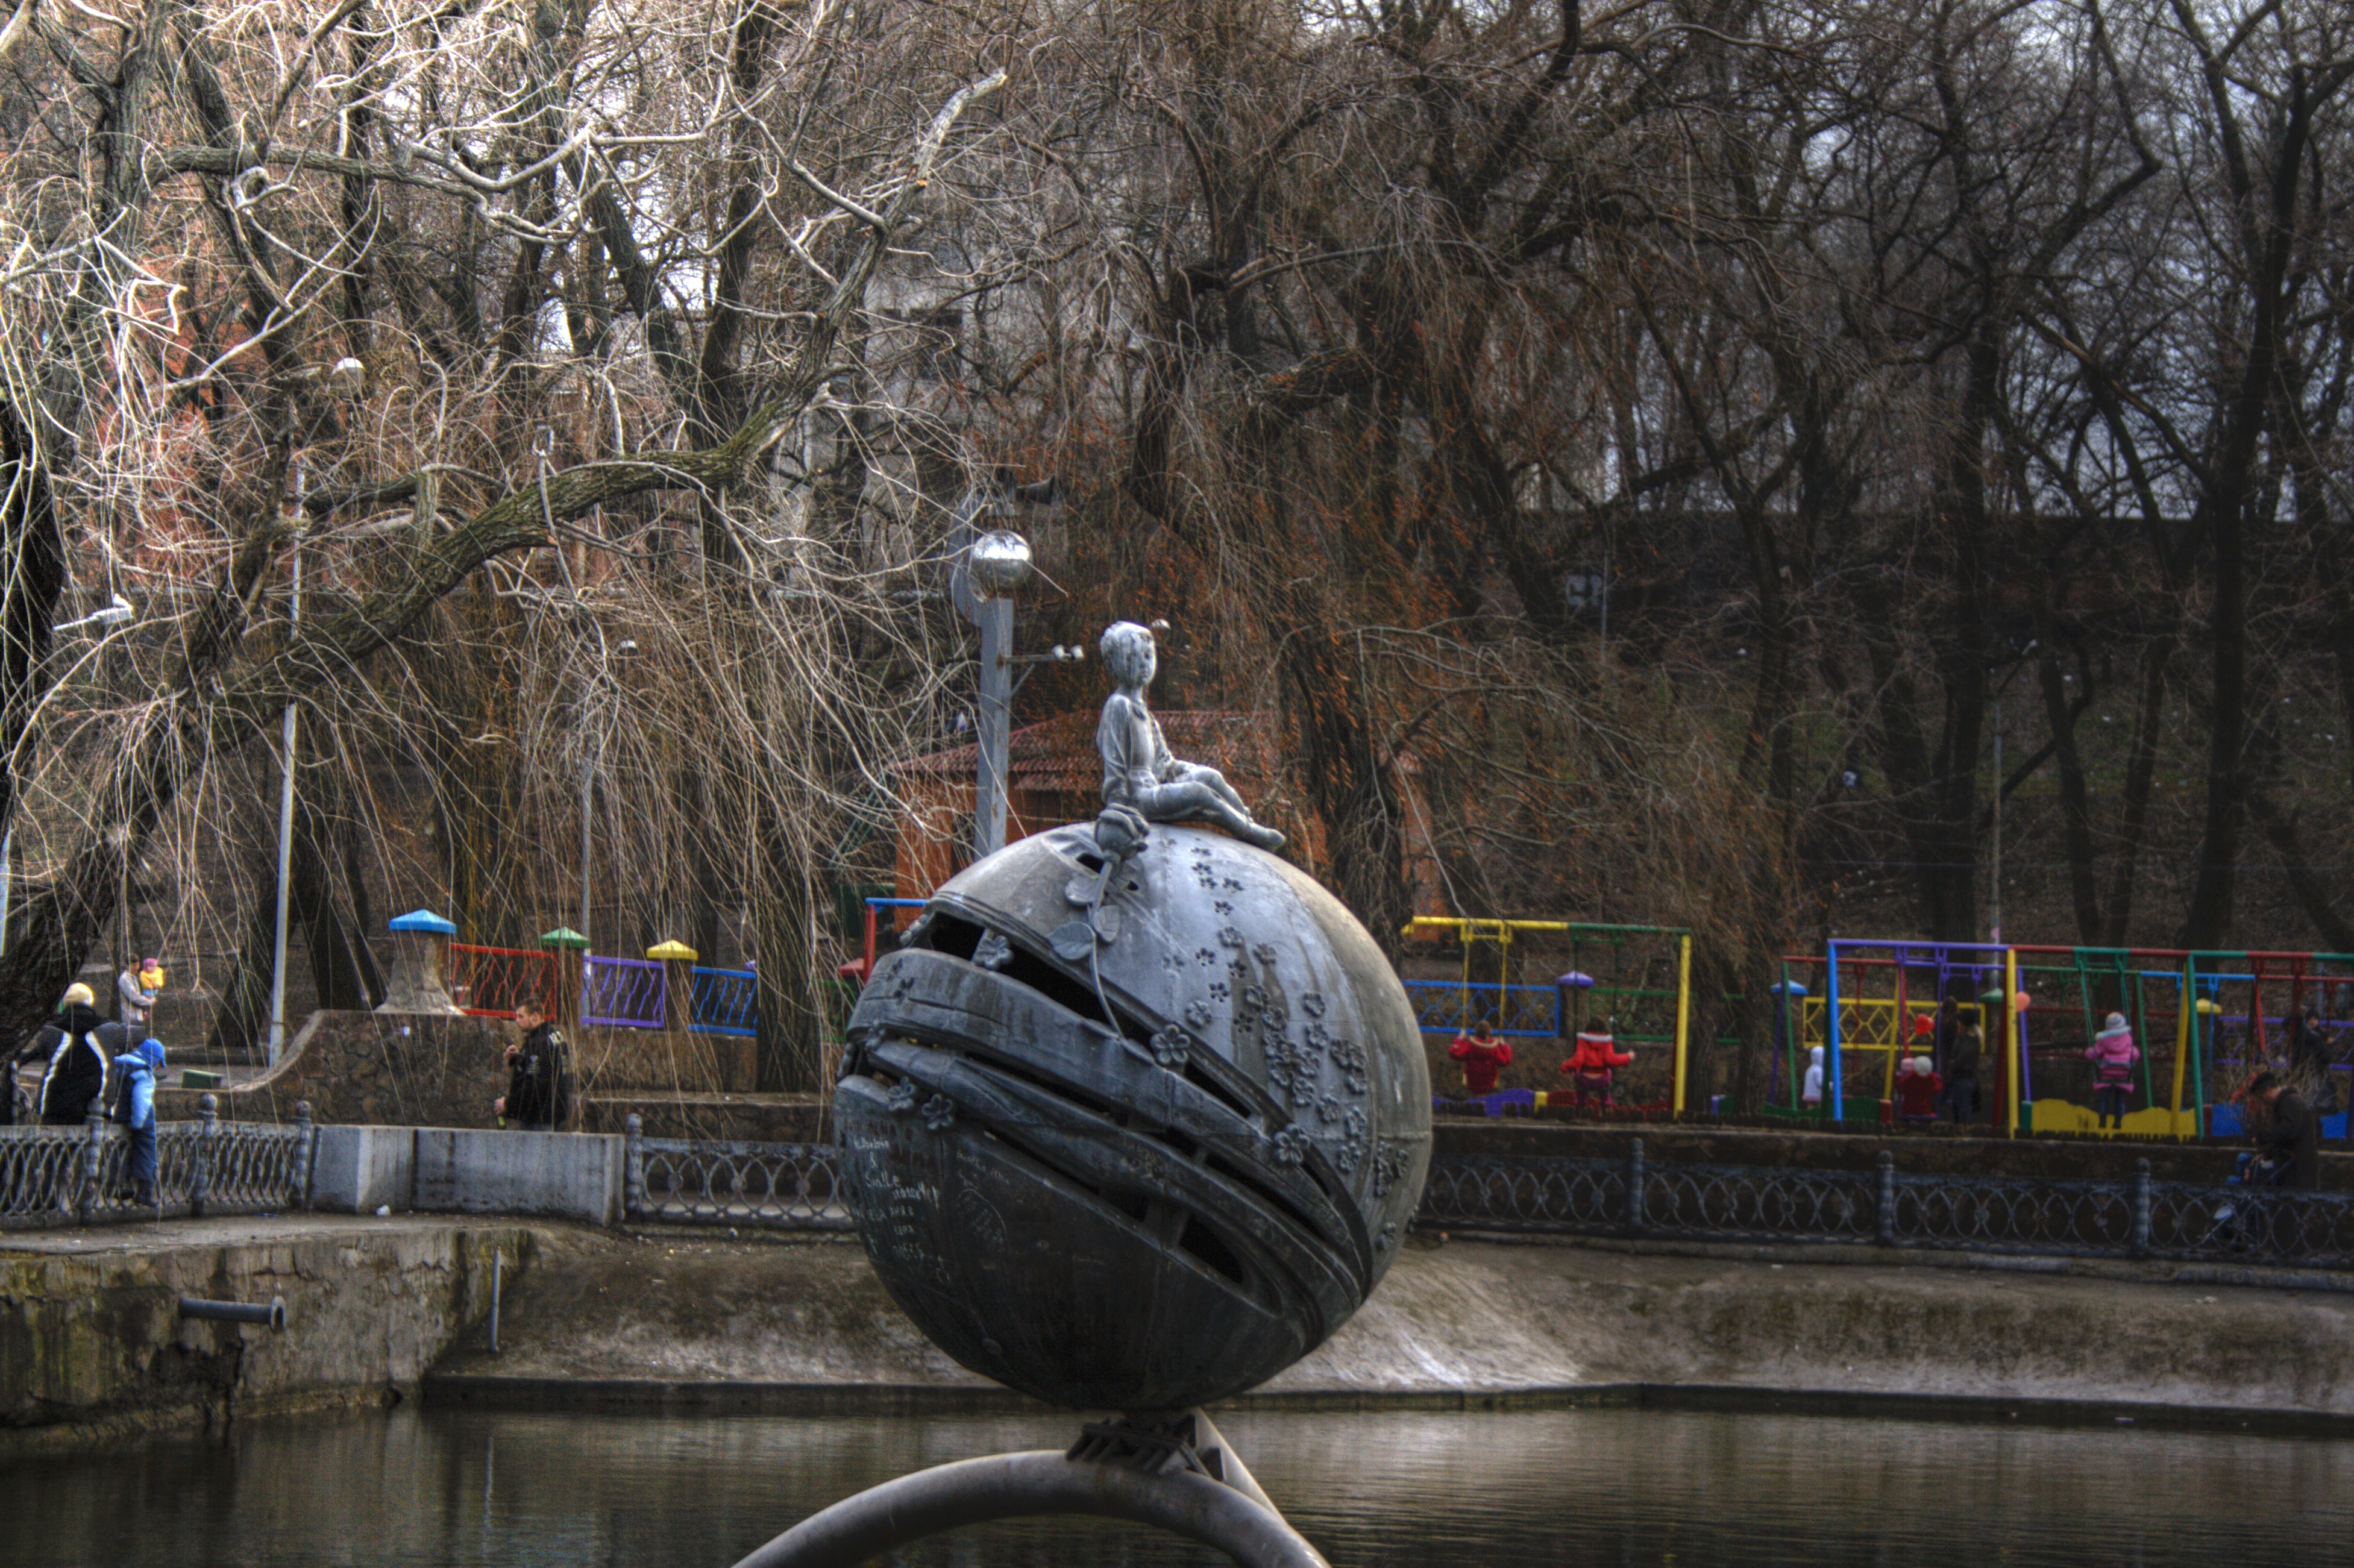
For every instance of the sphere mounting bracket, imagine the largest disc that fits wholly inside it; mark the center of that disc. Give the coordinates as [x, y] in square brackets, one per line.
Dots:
[1171, 1469]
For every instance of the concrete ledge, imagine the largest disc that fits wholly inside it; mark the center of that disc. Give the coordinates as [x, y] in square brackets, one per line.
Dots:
[490, 1392]
[649, 1395]
[359, 1170]
[562, 1175]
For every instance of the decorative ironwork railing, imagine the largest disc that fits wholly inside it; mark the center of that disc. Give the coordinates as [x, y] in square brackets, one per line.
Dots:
[490, 982]
[725, 1002]
[628, 992]
[789, 1186]
[81, 1175]
[1444, 1007]
[2136, 1218]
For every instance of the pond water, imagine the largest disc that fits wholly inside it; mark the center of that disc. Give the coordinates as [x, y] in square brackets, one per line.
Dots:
[1617, 1486]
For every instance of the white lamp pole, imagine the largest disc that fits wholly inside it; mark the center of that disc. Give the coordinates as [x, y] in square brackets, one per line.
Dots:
[286, 802]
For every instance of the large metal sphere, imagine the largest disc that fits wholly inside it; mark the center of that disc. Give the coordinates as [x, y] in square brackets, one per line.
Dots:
[1152, 1215]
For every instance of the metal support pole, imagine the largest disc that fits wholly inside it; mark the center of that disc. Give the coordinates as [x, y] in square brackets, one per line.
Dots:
[1683, 1018]
[305, 1154]
[587, 797]
[200, 1166]
[633, 1180]
[1885, 1234]
[2140, 1245]
[996, 618]
[1994, 926]
[1835, 1093]
[2015, 1056]
[93, 1154]
[285, 807]
[7, 845]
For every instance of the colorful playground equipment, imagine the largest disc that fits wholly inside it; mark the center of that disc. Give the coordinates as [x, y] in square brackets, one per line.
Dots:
[2204, 1021]
[1638, 975]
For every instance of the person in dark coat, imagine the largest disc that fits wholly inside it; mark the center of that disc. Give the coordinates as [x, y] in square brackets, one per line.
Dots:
[2290, 1142]
[539, 1076]
[1962, 1074]
[2308, 1062]
[78, 1045]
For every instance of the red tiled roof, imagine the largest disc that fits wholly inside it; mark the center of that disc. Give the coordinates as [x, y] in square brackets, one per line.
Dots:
[1057, 755]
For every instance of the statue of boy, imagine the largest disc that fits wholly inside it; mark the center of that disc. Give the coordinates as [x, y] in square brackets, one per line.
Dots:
[1138, 771]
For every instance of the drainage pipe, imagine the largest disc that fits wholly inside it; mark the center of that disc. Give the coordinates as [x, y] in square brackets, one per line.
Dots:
[273, 1314]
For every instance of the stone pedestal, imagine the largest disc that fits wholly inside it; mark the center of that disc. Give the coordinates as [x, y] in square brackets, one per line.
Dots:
[421, 965]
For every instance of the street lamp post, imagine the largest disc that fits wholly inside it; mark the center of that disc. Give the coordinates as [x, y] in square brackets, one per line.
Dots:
[990, 565]
[286, 796]
[1994, 926]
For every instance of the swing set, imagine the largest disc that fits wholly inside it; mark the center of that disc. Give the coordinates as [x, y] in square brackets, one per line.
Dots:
[2204, 1021]
[1639, 976]
[1875, 1003]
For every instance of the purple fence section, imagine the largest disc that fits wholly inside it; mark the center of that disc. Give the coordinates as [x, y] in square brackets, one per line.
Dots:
[627, 992]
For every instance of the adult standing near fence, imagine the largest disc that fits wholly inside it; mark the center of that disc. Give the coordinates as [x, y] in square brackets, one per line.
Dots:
[539, 1076]
[137, 989]
[77, 1044]
[1962, 1074]
[2290, 1140]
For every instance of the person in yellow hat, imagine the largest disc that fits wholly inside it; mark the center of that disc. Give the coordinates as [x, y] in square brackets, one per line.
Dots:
[77, 1044]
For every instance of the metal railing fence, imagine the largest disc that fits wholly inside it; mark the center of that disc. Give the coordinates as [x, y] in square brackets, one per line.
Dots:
[2137, 1218]
[724, 1002]
[489, 982]
[629, 993]
[781, 1186]
[81, 1175]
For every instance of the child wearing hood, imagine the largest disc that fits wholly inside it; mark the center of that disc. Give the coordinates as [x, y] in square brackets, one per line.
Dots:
[1918, 1086]
[1482, 1055]
[134, 1107]
[1589, 1068]
[1812, 1095]
[2113, 1054]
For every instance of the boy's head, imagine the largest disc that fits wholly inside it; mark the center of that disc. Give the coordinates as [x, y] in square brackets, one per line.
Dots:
[1128, 653]
[2266, 1088]
[529, 1015]
[1487, 1027]
[76, 993]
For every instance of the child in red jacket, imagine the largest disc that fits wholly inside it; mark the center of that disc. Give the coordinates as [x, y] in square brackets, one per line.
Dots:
[1918, 1084]
[1589, 1066]
[1482, 1055]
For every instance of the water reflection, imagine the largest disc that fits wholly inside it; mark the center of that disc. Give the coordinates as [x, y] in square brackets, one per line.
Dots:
[1569, 1487]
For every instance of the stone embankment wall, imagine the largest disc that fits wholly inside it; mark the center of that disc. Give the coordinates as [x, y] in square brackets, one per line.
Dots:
[686, 1320]
[91, 1343]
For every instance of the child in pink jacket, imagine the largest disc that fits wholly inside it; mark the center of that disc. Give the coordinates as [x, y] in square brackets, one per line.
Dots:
[2113, 1054]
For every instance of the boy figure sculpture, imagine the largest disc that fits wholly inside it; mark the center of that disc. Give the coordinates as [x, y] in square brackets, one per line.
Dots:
[1138, 771]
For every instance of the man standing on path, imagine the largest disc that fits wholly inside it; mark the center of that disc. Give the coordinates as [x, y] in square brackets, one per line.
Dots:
[2291, 1140]
[539, 1076]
